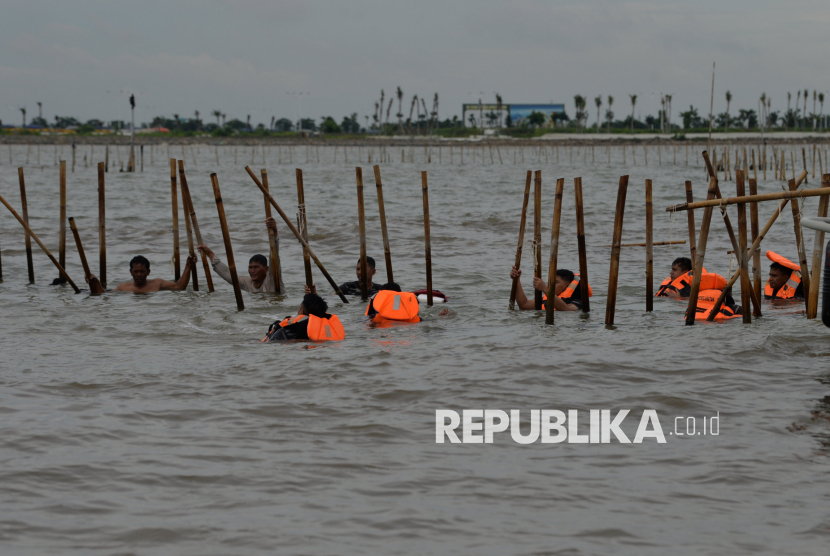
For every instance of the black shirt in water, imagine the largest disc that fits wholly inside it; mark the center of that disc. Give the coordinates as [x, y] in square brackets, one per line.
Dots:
[353, 288]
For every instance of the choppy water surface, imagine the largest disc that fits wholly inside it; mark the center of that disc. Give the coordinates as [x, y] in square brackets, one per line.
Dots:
[158, 425]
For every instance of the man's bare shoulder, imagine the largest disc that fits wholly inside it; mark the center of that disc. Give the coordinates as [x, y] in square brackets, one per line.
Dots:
[151, 286]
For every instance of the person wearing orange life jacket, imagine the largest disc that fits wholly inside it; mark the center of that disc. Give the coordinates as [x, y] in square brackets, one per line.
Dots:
[679, 282]
[312, 322]
[390, 303]
[568, 291]
[784, 279]
[711, 286]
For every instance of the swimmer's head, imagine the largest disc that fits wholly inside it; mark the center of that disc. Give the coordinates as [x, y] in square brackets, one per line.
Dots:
[778, 275]
[139, 270]
[564, 277]
[258, 268]
[680, 266]
[313, 304]
[370, 266]
[392, 286]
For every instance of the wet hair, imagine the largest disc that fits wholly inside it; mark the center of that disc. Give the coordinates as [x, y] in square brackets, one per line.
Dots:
[138, 259]
[565, 274]
[259, 259]
[370, 262]
[315, 305]
[390, 286]
[781, 268]
[685, 263]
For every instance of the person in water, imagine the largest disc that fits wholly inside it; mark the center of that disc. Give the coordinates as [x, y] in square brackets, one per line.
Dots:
[258, 280]
[312, 322]
[784, 279]
[140, 270]
[353, 288]
[679, 282]
[568, 291]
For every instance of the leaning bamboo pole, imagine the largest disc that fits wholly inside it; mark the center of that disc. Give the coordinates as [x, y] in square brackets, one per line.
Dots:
[194, 222]
[818, 252]
[580, 240]
[691, 311]
[522, 226]
[798, 194]
[615, 252]
[273, 242]
[387, 251]
[303, 224]
[799, 243]
[24, 207]
[40, 244]
[79, 245]
[220, 208]
[554, 250]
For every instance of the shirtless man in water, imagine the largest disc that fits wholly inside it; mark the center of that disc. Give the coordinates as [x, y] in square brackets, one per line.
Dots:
[140, 269]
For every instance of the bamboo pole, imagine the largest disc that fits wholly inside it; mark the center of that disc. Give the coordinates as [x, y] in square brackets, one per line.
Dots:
[649, 250]
[746, 286]
[62, 228]
[799, 194]
[191, 246]
[79, 245]
[102, 227]
[25, 209]
[302, 223]
[177, 265]
[194, 222]
[799, 242]
[273, 241]
[753, 216]
[387, 252]
[580, 240]
[427, 248]
[804, 160]
[701, 252]
[653, 244]
[297, 234]
[220, 208]
[31, 234]
[615, 252]
[554, 250]
[361, 222]
[691, 215]
[818, 252]
[537, 235]
[522, 227]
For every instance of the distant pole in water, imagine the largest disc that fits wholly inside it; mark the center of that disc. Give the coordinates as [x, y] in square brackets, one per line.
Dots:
[746, 285]
[387, 252]
[62, 226]
[522, 226]
[240, 305]
[188, 207]
[554, 249]
[302, 224]
[102, 227]
[537, 235]
[649, 250]
[818, 251]
[583, 254]
[691, 310]
[427, 248]
[361, 222]
[175, 196]
[691, 217]
[276, 267]
[615, 252]
[25, 209]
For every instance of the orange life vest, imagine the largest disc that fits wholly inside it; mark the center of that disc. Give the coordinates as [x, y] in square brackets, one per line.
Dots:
[392, 305]
[570, 290]
[706, 302]
[678, 283]
[787, 291]
[321, 330]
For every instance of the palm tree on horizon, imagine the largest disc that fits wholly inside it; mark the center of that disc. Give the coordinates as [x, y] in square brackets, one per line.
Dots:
[598, 102]
[23, 110]
[633, 103]
[400, 111]
[217, 114]
[608, 113]
[728, 101]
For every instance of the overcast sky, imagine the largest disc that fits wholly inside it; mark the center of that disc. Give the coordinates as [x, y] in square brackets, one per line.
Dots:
[84, 58]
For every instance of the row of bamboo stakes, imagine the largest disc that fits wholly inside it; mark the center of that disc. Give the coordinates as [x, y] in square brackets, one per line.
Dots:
[777, 162]
[194, 237]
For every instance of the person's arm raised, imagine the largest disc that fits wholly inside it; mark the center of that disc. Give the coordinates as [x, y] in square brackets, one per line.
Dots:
[183, 281]
[522, 301]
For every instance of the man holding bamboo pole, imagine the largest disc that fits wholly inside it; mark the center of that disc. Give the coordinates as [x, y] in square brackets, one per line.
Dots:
[567, 287]
[140, 270]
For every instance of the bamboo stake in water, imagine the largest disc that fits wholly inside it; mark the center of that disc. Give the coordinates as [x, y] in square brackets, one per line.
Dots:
[220, 207]
[691, 215]
[818, 252]
[746, 286]
[701, 252]
[361, 222]
[799, 242]
[79, 245]
[537, 235]
[177, 265]
[580, 240]
[387, 252]
[753, 216]
[649, 250]
[191, 246]
[273, 241]
[24, 207]
[62, 228]
[427, 248]
[102, 227]
[297, 234]
[303, 224]
[30, 233]
[615, 252]
[522, 226]
[188, 207]
[554, 250]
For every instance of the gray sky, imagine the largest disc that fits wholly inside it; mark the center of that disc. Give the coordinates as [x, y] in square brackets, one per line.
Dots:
[84, 58]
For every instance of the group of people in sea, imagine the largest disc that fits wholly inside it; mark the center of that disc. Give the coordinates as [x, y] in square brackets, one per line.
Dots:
[784, 282]
[387, 304]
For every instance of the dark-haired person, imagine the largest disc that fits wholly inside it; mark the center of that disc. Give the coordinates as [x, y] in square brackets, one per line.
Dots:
[353, 288]
[784, 279]
[140, 270]
[679, 282]
[312, 322]
[568, 291]
[259, 278]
